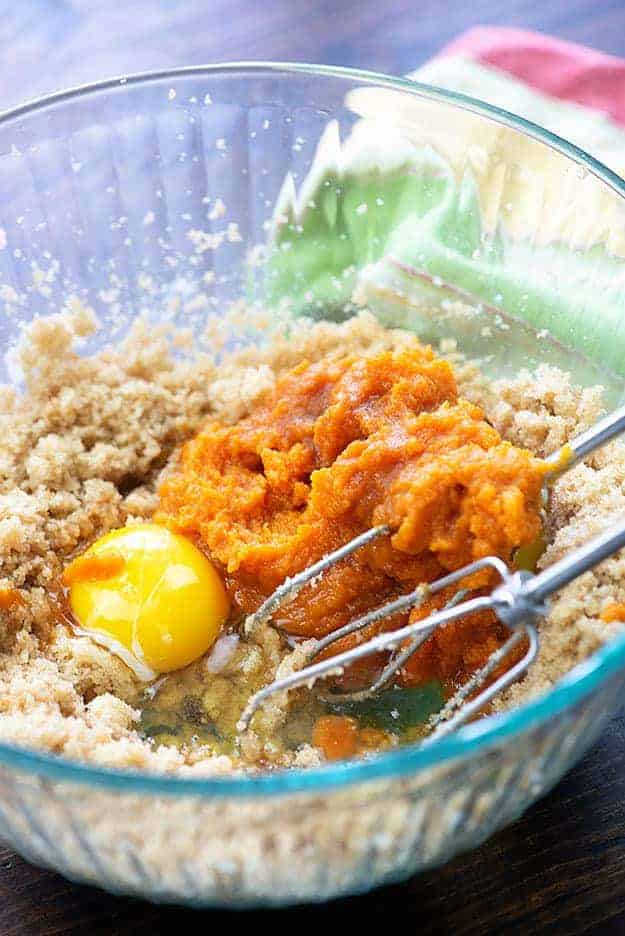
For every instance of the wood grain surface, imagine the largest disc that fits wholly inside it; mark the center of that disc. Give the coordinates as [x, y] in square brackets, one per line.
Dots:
[561, 868]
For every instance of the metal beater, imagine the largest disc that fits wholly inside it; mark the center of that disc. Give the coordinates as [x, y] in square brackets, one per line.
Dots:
[519, 599]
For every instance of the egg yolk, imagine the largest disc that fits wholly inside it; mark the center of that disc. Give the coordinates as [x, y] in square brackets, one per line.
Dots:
[149, 595]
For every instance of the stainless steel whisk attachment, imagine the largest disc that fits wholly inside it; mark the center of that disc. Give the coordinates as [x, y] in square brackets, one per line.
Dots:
[518, 601]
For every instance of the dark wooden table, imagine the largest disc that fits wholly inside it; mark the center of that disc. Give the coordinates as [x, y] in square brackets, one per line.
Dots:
[560, 869]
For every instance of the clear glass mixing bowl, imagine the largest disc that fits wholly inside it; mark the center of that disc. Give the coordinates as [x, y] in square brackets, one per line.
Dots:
[100, 191]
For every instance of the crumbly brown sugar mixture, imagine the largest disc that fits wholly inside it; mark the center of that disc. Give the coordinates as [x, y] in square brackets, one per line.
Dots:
[85, 449]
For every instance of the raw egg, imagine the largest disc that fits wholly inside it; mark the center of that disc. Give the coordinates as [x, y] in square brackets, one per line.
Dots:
[148, 595]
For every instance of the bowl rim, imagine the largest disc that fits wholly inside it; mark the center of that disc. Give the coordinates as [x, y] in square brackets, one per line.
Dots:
[573, 687]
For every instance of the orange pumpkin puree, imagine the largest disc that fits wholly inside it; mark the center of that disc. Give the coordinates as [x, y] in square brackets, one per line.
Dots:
[340, 737]
[92, 569]
[9, 598]
[613, 612]
[341, 445]
[336, 736]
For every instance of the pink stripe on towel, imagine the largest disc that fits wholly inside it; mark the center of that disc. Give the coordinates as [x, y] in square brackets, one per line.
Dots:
[562, 69]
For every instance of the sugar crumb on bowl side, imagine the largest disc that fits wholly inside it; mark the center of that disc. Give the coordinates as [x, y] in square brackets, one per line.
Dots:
[83, 451]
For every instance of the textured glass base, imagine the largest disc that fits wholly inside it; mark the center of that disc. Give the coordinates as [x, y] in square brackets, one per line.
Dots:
[290, 848]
